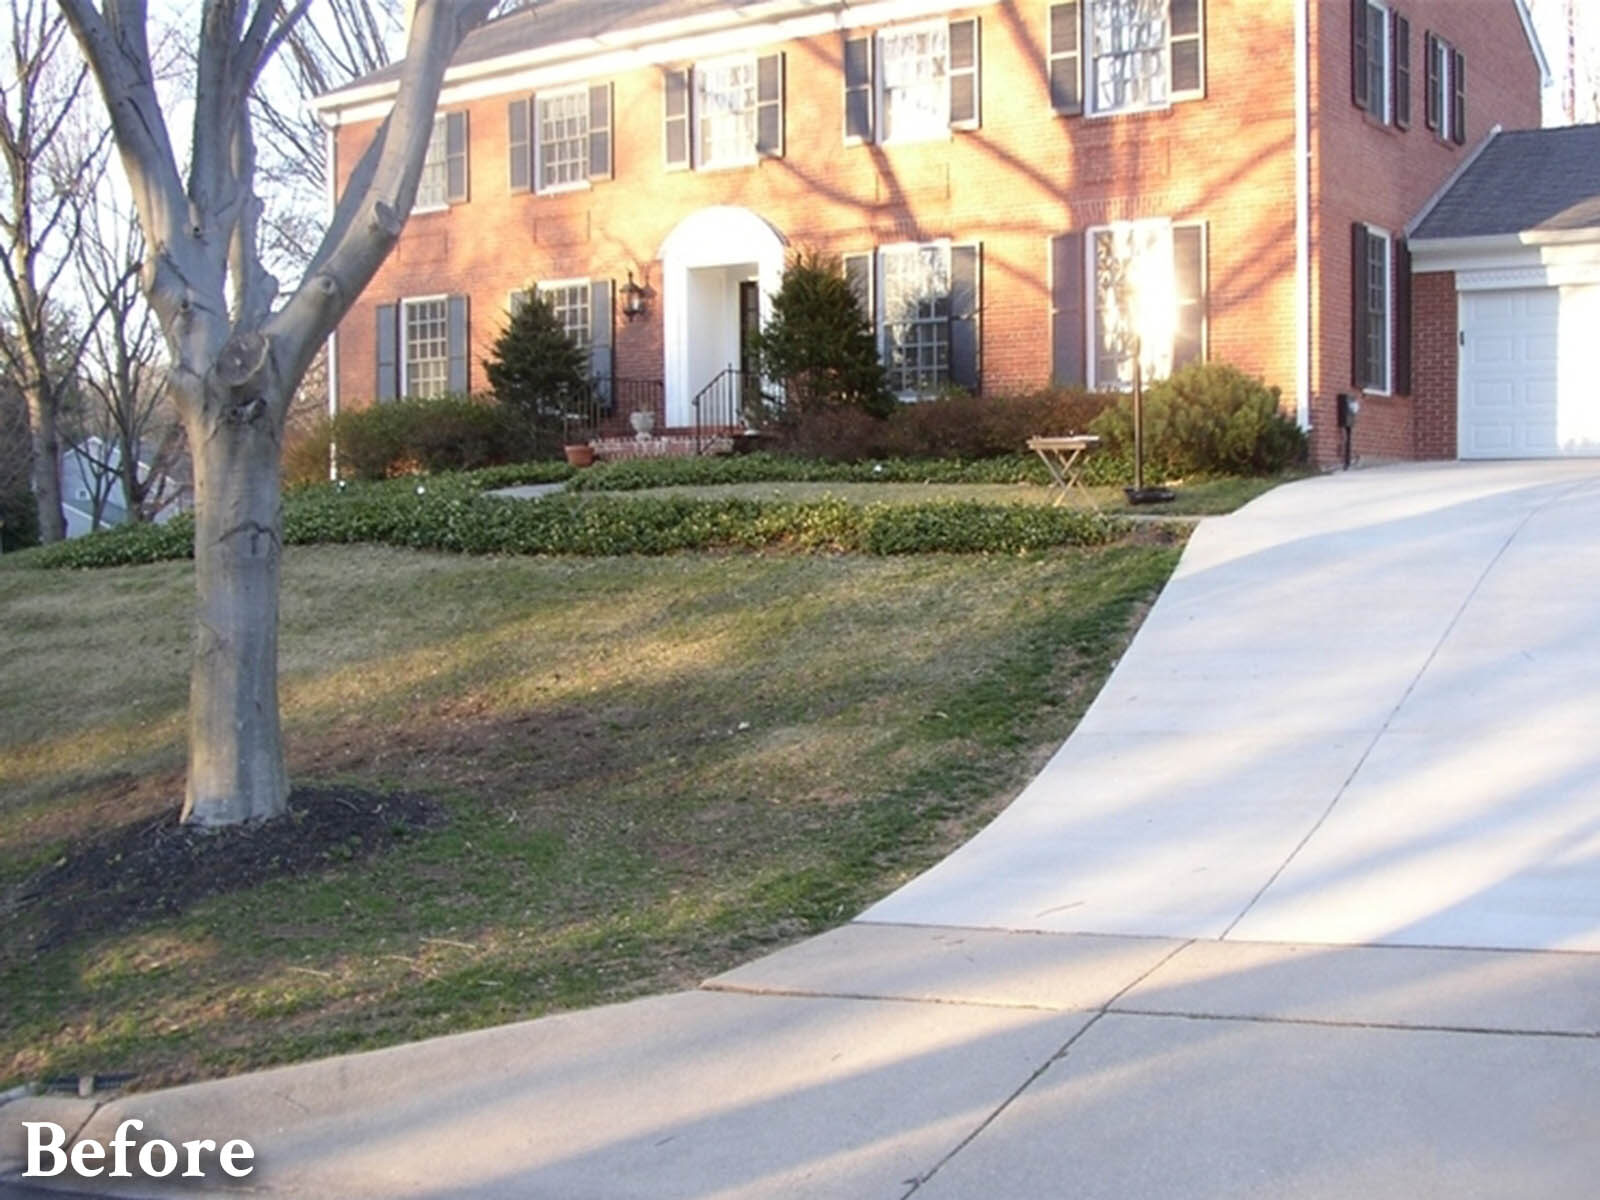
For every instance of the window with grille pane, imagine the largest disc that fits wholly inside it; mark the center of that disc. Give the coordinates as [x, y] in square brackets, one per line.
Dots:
[1128, 54]
[570, 303]
[916, 317]
[914, 69]
[1376, 373]
[563, 139]
[427, 333]
[725, 92]
[433, 189]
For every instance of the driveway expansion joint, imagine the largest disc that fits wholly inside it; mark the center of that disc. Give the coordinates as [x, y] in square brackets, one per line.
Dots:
[1333, 1023]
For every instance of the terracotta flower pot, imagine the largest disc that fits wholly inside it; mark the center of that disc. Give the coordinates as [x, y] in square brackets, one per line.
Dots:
[581, 455]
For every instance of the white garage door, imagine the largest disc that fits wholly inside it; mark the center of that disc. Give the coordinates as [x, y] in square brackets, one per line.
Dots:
[1530, 373]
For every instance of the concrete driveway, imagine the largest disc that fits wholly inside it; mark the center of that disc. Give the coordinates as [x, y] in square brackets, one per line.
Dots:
[1305, 908]
[1365, 711]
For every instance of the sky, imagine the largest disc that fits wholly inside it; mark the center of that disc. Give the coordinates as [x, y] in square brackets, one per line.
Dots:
[1550, 18]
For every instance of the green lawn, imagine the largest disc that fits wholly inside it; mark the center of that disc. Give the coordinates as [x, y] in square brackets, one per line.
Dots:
[1202, 498]
[653, 769]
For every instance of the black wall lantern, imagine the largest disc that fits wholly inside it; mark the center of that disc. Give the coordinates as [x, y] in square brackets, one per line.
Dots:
[636, 299]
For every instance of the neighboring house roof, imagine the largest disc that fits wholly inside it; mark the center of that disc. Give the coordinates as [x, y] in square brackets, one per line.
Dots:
[1528, 181]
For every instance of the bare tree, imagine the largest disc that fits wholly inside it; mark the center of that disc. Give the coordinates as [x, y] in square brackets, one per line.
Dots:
[38, 222]
[235, 355]
[124, 434]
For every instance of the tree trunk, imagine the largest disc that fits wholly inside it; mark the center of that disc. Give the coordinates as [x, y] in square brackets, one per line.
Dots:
[236, 766]
[46, 465]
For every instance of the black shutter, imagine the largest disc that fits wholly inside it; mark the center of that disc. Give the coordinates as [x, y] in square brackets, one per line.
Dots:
[455, 148]
[965, 305]
[388, 351]
[1402, 72]
[520, 161]
[964, 79]
[601, 340]
[1431, 106]
[1458, 77]
[677, 123]
[1361, 86]
[858, 89]
[1189, 275]
[1066, 59]
[1188, 49]
[769, 106]
[858, 274]
[1401, 384]
[1068, 348]
[1358, 292]
[600, 164]
[458, 345]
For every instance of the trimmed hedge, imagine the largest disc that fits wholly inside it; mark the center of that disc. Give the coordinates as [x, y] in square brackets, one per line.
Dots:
[454, 518]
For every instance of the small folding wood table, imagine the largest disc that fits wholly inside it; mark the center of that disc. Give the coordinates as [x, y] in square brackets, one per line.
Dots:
[1063, 456]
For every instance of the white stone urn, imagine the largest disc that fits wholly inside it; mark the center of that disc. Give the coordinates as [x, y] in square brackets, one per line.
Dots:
[643, 422]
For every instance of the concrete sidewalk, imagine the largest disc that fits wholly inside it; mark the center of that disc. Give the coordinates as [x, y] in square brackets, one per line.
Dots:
[1072, 1005]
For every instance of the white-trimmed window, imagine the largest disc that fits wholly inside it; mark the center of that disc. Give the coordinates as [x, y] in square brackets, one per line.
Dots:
[569, 300]
[914, 82]
[1112, 56]
[1146, 295]
[444, 168]
[425, 346]
[1374, 328]
[914, 288]
[1447, 90]
[1380, 65]
[562, 123]
[725, 101]
[727, 112]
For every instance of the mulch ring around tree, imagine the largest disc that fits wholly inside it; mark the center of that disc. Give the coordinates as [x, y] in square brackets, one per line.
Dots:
[152, 869]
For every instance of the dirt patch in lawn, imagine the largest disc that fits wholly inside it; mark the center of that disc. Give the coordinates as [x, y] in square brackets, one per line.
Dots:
[150, 868]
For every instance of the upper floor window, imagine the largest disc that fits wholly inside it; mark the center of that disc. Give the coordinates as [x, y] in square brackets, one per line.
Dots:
[1109, 56]
[726, 112]
[1381, 62]
[1447, 90]
[444, 168]
[912, 82]
[560, 139]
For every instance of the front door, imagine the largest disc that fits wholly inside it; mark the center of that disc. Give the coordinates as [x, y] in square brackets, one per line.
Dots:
[749, 326]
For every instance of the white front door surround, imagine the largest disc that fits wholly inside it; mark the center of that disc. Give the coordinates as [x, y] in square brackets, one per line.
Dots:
[704, 259]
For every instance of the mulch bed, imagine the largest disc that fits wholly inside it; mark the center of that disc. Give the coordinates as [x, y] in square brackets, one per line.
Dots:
[151, 869]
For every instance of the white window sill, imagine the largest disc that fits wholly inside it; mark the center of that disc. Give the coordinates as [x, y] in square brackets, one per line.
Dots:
[432, 208]
[561, 189]
[732, 165]
[920, 139]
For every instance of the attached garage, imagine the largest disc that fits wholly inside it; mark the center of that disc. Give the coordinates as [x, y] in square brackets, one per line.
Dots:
[1518, 234]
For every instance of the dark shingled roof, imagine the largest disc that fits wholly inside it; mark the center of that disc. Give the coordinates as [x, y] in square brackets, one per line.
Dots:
[549, 22]
[1541, 180]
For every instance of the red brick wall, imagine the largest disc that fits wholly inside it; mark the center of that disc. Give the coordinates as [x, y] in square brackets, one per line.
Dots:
[1436, 371]
[1374, 173]
[1025, 176]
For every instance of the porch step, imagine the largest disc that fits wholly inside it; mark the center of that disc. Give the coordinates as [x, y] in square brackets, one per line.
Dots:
[620, 449]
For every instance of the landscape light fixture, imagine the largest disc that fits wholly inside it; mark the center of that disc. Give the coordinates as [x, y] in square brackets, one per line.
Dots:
[636, 299]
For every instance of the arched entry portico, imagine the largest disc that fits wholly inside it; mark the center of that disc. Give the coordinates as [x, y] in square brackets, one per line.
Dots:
[710, 262]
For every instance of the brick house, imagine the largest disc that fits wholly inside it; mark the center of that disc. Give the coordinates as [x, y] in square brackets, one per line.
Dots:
[986, 173]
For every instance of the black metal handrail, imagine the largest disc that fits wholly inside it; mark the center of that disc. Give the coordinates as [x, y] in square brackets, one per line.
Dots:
[733, 402]
[605, 407]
